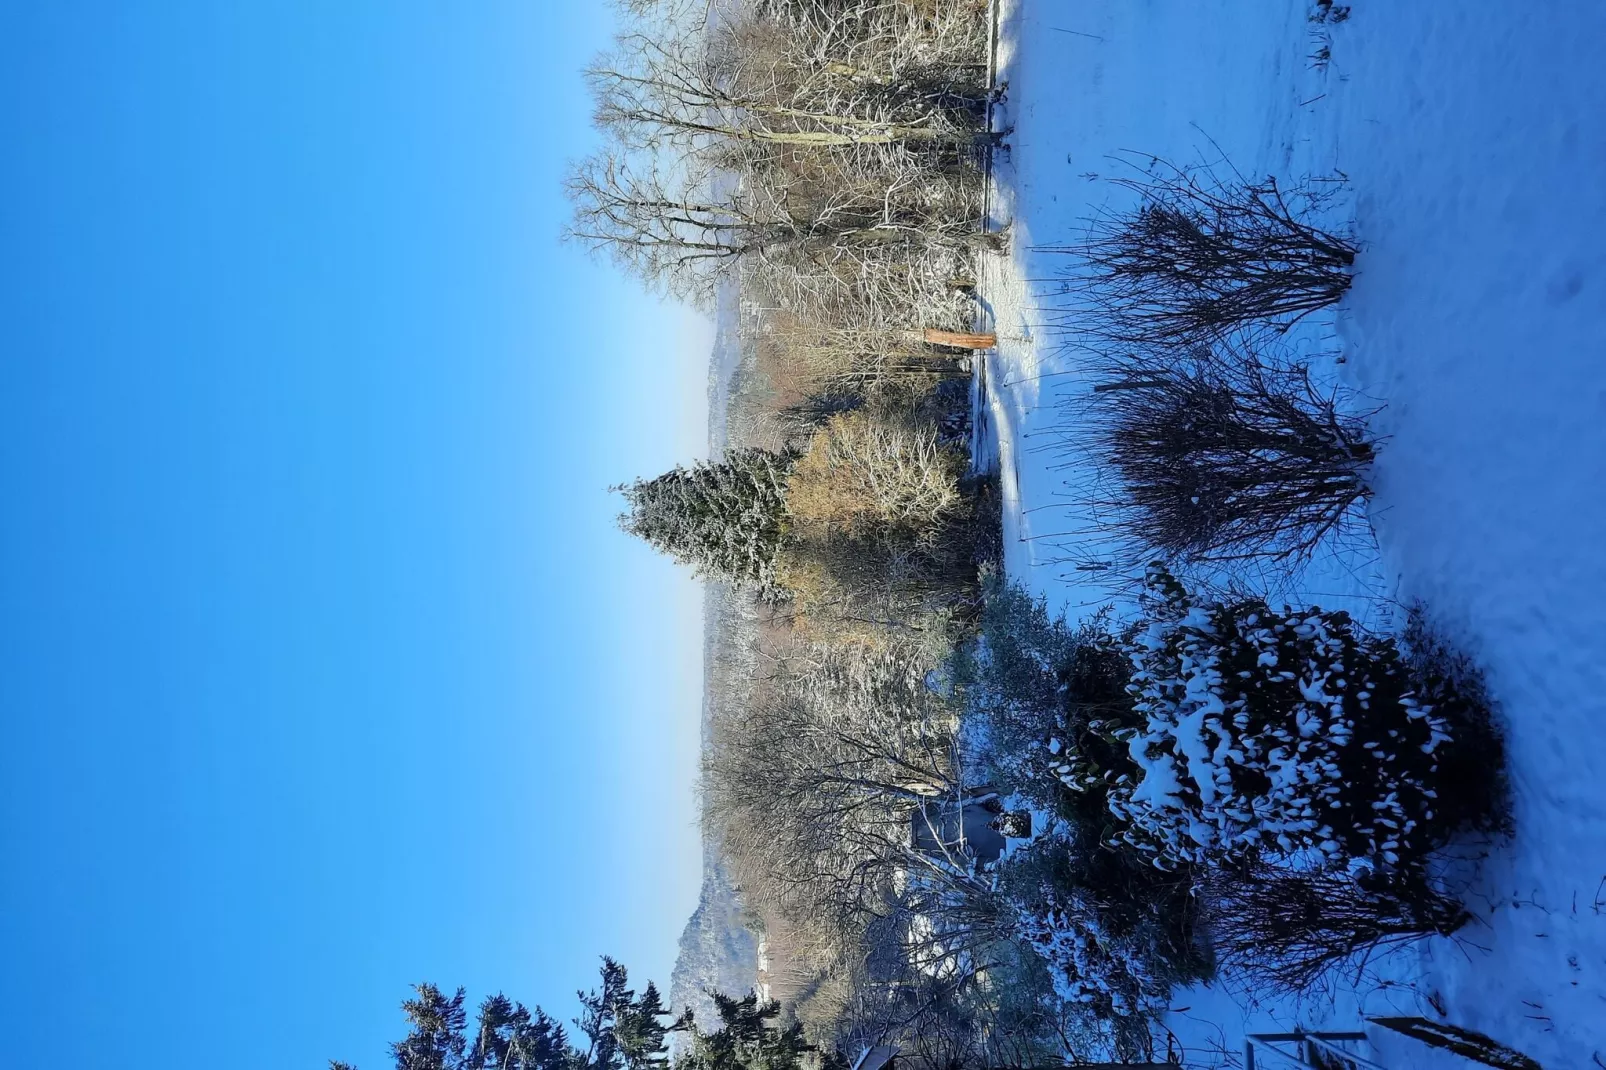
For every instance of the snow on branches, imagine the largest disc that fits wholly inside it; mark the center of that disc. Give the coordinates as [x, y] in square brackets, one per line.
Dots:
[1289, 736]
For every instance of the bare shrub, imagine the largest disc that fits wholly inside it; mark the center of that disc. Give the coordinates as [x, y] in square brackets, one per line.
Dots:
[1291, 929]
[1202, 256]
[868, 474]
[1223, 455]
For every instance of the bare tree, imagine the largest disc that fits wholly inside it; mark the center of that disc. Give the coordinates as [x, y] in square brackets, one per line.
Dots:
[736, 85]
[684, 227]
[817, 781]
[679, 230]
[871, 472]
[750, 139]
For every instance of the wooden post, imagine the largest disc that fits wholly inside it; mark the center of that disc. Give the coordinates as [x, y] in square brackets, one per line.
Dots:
[960, 339]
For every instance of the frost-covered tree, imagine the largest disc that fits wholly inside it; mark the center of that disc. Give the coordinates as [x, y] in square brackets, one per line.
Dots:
[724, 518]
[1289, 734]
[878, 474]
[1046, 702]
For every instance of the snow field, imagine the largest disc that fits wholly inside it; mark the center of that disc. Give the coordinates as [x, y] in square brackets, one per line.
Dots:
[1473, 140]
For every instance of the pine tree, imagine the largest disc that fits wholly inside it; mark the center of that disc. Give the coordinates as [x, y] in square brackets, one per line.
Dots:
[724, 518]
[641, 1033]
[748, 1039]
[511, 1038]
[623, 1031]
[436, 1041]
[600, 1017]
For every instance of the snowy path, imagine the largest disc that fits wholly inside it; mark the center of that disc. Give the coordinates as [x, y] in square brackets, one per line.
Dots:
[1473, 136]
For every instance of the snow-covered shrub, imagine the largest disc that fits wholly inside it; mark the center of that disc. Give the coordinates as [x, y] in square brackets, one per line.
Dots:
[1115, 938]
[1290, 735]
[1088, 964]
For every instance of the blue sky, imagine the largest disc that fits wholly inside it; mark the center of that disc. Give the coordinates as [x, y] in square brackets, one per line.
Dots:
[324, 668]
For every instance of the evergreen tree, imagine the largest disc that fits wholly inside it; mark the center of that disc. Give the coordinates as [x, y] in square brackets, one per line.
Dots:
[640, 1032]
[600, 1016]
[436, 1040]
[748, 1039]
[724, 518]
[623, 1031]
[1271, 733]
[511, 1038]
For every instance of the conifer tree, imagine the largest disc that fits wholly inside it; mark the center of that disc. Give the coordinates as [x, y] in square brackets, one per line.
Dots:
[622, 1031]
[436, 1040]
[640, 1032]
[511, 1038]
[748, 1039]
[1266, 733]
[600, 1017]
[724, 518]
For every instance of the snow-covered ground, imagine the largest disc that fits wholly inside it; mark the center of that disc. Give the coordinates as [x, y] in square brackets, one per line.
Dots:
[1472, 134]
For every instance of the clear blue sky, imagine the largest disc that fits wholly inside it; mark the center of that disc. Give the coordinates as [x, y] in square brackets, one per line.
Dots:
[323, 669]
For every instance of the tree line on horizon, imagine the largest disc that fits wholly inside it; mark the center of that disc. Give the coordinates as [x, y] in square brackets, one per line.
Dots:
[617, 1029]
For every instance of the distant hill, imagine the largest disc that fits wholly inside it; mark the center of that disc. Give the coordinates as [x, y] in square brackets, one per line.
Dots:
[717, 951]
